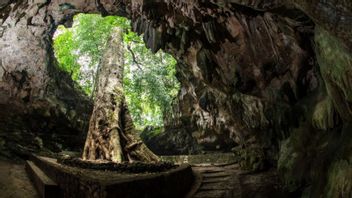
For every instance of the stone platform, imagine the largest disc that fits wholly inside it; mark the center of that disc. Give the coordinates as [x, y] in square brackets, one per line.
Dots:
[76, 182]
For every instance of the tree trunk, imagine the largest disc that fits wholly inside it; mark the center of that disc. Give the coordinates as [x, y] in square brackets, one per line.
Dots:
[111, 135]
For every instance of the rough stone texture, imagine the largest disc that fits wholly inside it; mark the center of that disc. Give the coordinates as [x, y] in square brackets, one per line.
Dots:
[333, 16]
[250, 74]
[259, 76]
[171, 141]
[38, 102]
[242, 72]
[326, 142]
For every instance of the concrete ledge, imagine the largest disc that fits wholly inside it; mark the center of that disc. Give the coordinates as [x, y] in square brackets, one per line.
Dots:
[46, 187]
[78, 183]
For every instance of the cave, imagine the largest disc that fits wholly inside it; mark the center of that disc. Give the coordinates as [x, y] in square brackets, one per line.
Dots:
[264, 107]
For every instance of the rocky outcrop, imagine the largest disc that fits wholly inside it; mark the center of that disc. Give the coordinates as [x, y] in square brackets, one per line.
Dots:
[318, 153]
[268, 79]
[170, 141]
[271, 76]
[40, 105]
[243, 72]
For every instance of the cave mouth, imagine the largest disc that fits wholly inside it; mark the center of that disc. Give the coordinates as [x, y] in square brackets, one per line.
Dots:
[149, 80]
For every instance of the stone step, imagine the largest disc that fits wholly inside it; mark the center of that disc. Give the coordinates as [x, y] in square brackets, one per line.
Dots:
[211, 171]
[217, 174]
[45, 186]
[215, 186]
[232, 166]
[210, 194]
[215, 179]
[218, 181]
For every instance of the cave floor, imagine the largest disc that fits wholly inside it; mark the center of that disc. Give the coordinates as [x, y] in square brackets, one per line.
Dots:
[14, 182]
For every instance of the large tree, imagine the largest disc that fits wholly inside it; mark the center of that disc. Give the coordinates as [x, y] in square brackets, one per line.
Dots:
[149, 79]
[111, 135]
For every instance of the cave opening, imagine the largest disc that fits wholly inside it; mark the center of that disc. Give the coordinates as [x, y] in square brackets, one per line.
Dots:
[149, 80]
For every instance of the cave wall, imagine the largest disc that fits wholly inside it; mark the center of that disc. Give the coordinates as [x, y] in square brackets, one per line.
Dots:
[243, 72]
[269, 80]
[41, 107]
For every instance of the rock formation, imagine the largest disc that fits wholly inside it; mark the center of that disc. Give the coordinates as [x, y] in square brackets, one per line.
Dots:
[270, 78]
[40, 106]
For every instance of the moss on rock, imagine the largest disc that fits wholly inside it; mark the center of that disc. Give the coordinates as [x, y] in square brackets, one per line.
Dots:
[335, 63]
[339, 179]
[291, 172]
[324, 116]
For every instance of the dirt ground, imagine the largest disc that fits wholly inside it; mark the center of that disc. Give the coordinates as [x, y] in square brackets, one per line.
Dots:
[14, 182]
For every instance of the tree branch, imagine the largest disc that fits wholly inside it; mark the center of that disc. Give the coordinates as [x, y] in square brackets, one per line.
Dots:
[134, 59]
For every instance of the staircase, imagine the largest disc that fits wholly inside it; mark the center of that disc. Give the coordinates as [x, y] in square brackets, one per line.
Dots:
[216, 181]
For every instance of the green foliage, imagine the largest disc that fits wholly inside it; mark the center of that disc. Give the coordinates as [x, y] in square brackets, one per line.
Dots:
[91, 33]
[150, 84]
[149, 79]
[64, 51]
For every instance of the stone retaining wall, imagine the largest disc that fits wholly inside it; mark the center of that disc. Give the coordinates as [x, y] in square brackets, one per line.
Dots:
[173, 183]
